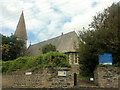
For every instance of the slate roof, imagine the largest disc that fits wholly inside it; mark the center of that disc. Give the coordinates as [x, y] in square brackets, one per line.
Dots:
[63, 43]
[21, 28]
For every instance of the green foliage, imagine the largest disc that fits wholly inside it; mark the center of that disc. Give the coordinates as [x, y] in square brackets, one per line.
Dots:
[102, 36]
[11, 48]
[117, 64]
[80, 77]
[51, 59]
[6, 65]
[57, 59]
[47, 48]
[18, 64]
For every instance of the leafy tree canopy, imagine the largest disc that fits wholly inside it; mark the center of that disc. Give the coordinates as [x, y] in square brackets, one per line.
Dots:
[11, 48]
[102, 36]
[47, 48]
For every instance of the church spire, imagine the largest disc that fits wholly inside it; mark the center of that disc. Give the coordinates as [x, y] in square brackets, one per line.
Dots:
[21, 28]
[20, 32]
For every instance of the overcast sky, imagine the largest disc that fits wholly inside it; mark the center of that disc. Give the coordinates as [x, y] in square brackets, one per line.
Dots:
[46, 19]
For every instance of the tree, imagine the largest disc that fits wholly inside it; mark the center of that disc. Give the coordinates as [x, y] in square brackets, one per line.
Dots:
[48, 48]
[102, 36]
[11, 48]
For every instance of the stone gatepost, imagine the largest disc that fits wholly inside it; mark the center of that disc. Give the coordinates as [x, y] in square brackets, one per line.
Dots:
[107, 77]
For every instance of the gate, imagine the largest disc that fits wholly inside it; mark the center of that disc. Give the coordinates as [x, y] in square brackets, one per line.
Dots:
[75, 79]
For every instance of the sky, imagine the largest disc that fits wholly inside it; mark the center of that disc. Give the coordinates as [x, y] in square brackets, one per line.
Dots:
[46, 19]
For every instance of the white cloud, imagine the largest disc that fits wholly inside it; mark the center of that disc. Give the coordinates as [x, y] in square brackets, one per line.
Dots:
[46, 18]
[42, 36]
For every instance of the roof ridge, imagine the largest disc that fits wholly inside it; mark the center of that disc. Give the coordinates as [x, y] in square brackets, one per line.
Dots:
[63, 43]
[55, 37]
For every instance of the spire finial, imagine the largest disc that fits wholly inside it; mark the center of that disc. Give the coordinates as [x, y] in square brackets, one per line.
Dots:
[22, 9]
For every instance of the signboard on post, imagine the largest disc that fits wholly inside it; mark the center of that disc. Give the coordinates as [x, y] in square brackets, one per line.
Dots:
[61, 73]
[105, 59]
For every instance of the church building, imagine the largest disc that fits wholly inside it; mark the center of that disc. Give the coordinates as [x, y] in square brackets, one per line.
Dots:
[64, 43]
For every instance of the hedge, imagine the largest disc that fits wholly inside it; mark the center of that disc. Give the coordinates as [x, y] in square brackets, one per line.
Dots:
[51, 59]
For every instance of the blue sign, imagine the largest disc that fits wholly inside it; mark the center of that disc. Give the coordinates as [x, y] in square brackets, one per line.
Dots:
[105, 58]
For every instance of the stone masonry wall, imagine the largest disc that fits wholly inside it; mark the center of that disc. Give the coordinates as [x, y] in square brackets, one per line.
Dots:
[76, 68]
[119, 82]
[107, 77]
[41, 78]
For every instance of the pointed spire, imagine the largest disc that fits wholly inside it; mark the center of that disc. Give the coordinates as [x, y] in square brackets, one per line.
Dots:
[21, 28]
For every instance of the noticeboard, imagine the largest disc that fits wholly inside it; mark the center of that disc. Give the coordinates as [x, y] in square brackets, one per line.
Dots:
[105, 58]
[61, 73]
[28, 73]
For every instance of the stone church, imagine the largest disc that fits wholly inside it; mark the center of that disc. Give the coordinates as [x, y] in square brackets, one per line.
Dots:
[65, 43]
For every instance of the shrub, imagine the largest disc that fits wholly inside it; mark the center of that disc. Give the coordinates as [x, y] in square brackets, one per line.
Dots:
[55, 59]
[18, 64]
[6, 65]
[51, 59]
